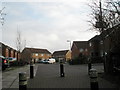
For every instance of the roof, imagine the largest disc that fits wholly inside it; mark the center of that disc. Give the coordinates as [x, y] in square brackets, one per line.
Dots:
[96, 38]
[9, 47]
[62, 52]
[37, 50]
[81, 44]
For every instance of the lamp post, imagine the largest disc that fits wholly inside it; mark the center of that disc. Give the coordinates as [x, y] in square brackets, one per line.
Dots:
[70, 48]
[70, 44]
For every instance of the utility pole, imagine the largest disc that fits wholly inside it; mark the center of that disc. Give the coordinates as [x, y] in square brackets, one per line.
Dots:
[102, 36]
[101, 25]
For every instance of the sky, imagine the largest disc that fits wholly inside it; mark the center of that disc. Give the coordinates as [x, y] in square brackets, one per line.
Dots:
[46, 24]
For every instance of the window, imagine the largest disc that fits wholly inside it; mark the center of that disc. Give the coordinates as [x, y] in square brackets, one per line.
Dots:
[42, 54]
[36, 54]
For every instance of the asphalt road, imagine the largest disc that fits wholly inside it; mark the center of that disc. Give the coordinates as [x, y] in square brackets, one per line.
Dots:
[76, 76]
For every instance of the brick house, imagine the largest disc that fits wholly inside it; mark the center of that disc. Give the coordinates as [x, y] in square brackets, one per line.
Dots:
[96, 48]
[79, 48]
[112, 48]
[8, 51]
[62, 55]
[106, 46]
[35, 53]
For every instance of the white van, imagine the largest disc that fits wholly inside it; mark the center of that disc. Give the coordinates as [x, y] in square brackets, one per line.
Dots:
[51, 60]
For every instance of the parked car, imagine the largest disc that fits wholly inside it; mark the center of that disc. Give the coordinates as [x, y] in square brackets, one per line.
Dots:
[5, 62]
[12, 60]
[46, 61]
[51, 60]
[40, 61]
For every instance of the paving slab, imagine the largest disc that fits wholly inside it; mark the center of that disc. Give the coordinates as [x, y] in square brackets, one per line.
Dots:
[10, 78]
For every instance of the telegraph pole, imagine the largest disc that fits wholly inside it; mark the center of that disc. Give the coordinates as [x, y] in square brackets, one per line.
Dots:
[102, 30]
[101, 25]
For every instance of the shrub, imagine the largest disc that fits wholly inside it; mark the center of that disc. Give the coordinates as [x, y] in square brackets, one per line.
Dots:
[79, 60]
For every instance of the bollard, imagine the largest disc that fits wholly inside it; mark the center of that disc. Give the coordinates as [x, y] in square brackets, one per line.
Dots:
[89, 67]
[93, 79]
[22, 81]
[61, 69]
[31, 71]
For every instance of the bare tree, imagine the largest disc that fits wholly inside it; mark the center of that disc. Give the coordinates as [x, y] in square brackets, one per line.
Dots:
[19, 41]
[105, 16]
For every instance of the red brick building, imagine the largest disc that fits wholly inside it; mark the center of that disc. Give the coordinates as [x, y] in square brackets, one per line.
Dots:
[96, 49]
[79, 48]
[35, 54]
[8, 51]
[62, 55]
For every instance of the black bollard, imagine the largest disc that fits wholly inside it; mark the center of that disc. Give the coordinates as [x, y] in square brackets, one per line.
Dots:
[61, 70]
[89, 67]
[93, 79]
[31, 71]
[22, 81]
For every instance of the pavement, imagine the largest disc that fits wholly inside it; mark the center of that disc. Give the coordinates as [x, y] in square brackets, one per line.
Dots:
[10, 77]
[76, 76]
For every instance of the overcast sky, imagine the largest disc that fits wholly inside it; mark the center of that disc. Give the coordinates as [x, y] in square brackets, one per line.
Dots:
[47, 24]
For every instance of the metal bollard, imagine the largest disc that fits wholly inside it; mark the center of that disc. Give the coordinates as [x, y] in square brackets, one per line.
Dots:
[89, 67]
[61, 69]
[93, 79]
[22, 81]
[31, 71]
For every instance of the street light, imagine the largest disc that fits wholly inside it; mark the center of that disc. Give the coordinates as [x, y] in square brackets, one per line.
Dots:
[70, 44]
[70, 49]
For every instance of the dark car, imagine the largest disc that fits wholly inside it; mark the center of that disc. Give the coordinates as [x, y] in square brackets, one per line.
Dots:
[4, 62]
[46, 61]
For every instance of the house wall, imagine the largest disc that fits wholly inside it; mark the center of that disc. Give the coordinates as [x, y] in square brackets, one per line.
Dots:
[41, 56]
[26, 56]
[94, 48]
[68, 56]
[9, 52]
[75, 51]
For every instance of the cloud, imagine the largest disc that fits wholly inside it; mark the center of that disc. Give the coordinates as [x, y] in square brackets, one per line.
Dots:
[47, 24]
[44, 1]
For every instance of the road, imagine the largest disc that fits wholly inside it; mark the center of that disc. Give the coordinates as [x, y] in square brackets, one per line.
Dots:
[48, 76]
[76, 76]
